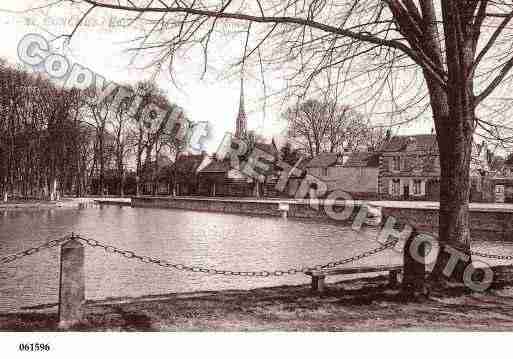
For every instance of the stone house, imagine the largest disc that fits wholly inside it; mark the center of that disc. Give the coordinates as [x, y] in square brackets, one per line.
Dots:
[409, 169]
[503, 184]
[321, 165]
[352, 172]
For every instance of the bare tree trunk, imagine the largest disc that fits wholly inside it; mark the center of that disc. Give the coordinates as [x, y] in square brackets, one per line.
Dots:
[155, 169]
[78, 180]
[102, 163]
[454, 116]
[138, 169]
[122, 183]
[137, 175]
[455, 152]
[57, 189]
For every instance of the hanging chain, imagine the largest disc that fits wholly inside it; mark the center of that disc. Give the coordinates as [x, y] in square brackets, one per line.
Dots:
[28, 252]
[199, 269]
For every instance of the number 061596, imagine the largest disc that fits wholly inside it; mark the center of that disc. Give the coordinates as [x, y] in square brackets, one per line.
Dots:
[34, 347]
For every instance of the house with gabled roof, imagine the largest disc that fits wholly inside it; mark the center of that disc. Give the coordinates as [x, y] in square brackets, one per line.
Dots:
[218, 178]
[352, 172]
[503, 183]
[186, 169]
[410, 169]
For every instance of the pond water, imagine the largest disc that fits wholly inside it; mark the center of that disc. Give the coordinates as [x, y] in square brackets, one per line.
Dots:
[213, 240]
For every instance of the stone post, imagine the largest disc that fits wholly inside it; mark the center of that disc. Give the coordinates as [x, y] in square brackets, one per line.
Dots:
[284, 209]
[414, 266]
[72, 284]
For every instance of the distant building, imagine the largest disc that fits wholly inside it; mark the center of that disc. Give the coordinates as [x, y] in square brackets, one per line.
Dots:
[218, 178]
[503, 184]
[481, 179]
[157, 177]
[506, 170]
[268, 187]
[352, 172]
[359, 175]
[410, 170]
[322, 165]
[241, 122]
[186, 169]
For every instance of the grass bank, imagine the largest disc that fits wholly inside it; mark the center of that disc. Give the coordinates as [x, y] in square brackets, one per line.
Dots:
[356, 305]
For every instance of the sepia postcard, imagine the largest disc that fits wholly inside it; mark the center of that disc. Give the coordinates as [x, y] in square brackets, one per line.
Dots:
[256, 167]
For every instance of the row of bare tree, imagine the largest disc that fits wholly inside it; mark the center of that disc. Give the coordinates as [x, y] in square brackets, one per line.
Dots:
[56, 140]
[316, 126]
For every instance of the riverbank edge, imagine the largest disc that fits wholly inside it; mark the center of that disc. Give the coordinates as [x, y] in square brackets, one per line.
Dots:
[362, 304]
[35, 205]
[66, 202]
[492, 222]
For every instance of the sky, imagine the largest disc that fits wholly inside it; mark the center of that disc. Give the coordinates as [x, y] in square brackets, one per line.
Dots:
[101, 44]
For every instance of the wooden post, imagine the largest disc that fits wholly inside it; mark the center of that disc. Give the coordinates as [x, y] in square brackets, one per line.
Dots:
[72, 284]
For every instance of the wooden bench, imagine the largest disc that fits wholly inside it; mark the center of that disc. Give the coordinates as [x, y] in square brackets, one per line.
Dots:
[318, 276]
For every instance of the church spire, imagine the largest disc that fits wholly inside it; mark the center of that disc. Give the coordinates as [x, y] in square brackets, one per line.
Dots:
[240, 125]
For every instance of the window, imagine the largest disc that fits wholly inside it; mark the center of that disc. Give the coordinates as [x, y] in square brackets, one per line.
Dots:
[396, 163]
[417, 187]
[396, 187]
[325, 171]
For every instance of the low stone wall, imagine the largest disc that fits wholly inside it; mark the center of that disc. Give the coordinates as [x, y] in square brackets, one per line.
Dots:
[210, 205]
[296, 209]
[495, 224]
[490, 225]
